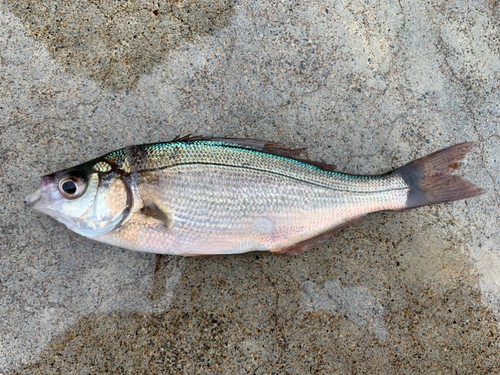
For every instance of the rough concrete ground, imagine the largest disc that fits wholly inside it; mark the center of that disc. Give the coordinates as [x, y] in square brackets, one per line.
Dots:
[367, 86]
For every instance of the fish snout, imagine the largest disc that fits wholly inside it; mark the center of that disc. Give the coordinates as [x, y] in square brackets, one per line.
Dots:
[33, 199]
[41, 196]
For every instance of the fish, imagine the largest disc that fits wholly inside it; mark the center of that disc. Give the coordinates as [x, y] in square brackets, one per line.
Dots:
[206, 196]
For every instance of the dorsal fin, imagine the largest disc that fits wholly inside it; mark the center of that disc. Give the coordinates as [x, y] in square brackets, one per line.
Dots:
[324, 166]
[188, 137]
[264, 146]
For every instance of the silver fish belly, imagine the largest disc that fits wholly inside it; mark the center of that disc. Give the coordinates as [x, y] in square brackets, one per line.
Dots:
[201, 197]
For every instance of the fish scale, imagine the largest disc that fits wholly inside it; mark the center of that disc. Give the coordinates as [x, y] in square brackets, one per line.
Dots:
[292, 200]
[226, 196]
[160, 156]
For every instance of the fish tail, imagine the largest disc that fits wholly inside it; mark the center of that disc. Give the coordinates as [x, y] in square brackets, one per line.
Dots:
[431, 181]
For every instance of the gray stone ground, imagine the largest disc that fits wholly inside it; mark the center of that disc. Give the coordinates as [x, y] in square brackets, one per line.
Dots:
[367, 86]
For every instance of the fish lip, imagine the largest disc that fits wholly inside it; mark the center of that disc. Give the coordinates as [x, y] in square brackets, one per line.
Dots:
[33, 199]
[39, 194]
[40, 201]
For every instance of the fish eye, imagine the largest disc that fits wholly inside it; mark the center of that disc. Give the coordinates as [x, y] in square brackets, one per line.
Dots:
[71, 186]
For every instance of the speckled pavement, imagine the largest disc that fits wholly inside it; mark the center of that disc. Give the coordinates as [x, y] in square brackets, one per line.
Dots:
[367, 86]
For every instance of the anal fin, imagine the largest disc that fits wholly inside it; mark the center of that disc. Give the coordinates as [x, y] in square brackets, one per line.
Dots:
[308, 244]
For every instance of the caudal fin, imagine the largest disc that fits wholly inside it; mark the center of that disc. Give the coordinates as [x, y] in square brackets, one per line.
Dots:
[431, 180]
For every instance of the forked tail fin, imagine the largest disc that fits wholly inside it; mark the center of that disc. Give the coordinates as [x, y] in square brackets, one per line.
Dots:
[431, 180]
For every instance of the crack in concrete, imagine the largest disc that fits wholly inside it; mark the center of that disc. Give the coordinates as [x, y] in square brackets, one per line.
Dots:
[469, 108]
[278, 326]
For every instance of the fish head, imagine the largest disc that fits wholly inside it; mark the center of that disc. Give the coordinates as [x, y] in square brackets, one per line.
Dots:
[90, 199]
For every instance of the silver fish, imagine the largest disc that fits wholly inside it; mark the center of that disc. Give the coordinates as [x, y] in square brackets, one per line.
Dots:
[195, 196]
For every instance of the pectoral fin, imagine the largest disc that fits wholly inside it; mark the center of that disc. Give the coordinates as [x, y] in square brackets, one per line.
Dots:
[152, 211]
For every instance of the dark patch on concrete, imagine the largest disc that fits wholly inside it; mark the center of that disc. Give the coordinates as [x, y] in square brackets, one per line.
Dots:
[159, 277]
[115, 42]
[245, 314]
[493, 39]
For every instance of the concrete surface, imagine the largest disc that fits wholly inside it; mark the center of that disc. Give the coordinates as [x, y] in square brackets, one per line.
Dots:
[365, 85]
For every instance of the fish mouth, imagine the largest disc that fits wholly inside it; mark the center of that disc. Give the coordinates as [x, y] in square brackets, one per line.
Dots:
[32, 199]
[41, 199]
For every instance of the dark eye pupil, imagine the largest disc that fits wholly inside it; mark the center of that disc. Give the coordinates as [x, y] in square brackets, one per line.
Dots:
[69, 187]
